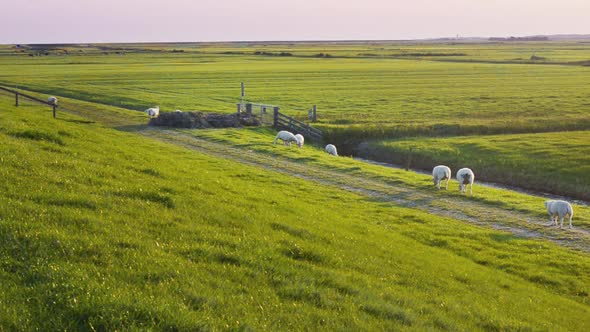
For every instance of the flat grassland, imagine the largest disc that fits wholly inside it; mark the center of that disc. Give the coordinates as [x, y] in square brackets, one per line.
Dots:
[364, 92]
[356, 95]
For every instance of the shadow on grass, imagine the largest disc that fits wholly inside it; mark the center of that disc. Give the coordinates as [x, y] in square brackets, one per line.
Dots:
[78, 121]
[132, 128]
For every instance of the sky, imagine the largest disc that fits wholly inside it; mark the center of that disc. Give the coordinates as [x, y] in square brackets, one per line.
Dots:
[85, 21]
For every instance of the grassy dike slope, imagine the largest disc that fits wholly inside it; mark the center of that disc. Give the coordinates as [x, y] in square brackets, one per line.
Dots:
[101, 229]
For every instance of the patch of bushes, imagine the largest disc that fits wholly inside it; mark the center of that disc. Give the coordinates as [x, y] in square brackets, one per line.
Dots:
[273, 54]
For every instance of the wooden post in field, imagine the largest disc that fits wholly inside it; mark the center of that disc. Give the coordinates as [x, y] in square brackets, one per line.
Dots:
[16, 99]
[243, 93]
[315, 115]
[54, 109]
[239, 108]
[249, 109]
[275, 118]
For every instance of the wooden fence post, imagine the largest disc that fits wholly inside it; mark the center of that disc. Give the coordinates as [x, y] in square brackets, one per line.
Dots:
[249, 109]
[54, 108]
[315, 116]
[239, 108]
[275, 119]
[16, 99]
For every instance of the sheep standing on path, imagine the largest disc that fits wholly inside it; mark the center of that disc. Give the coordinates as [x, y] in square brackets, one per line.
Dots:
[300, 140]
[331, 149]
[52, 100]
[286, 137]
[153, 112]
[439, 173]
[559, 209]
[465, 177]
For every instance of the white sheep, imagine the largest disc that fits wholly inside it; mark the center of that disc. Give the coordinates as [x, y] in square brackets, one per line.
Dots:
[178, 111]
[300, 140]
[52, 100]
[559, 209]
[465, 177]
[153, 112]
[331, 149]
[439, 173]
[286, 137]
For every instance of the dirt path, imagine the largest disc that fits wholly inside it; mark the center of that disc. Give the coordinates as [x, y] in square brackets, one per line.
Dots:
[519, 223]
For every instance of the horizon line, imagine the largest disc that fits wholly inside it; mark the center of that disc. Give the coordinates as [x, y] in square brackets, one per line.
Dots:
[573, 35]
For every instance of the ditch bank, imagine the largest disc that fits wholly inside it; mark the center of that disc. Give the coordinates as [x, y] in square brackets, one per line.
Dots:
[518, 181]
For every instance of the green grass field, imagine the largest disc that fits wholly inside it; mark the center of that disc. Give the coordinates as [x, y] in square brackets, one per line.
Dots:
[107, 224]
[103, 229]
[359, 98]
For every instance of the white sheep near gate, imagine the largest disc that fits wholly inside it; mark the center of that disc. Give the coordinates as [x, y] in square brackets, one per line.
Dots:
[559, 209]
[439, 173]
[285, 136]
[331, 149]
[465, 177]
[52, 100]
[153, 112]
[300, 140]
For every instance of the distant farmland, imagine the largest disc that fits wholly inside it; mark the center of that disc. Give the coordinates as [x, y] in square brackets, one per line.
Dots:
[364, 91]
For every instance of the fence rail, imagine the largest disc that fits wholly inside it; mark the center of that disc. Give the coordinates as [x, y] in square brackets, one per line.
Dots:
[18, 95]
[284, 121]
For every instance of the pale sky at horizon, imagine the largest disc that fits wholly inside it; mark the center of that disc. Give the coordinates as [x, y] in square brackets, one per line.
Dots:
[82, 21]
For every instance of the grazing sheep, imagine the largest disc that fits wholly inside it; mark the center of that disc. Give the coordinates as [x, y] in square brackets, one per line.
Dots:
[178, 111]
[331, 149]
[440, 173]
[52, 100]
[465, 177]
[153, 112]
[300, 140]
[286, 137]
[559, 209]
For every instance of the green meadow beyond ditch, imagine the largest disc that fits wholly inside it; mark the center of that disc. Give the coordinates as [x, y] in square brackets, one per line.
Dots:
[108, 224]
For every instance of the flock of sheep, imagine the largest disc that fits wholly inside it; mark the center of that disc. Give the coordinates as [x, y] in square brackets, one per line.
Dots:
[557, 209]
[288, 137]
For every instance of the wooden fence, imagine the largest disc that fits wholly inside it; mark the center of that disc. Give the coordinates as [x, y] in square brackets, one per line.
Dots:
[261, 111]
[18, 95]
[282, 121]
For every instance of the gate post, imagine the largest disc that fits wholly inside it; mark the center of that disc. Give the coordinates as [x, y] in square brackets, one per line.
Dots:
[16, 99]
[275, 118]
[54, 107]
[249, 109]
